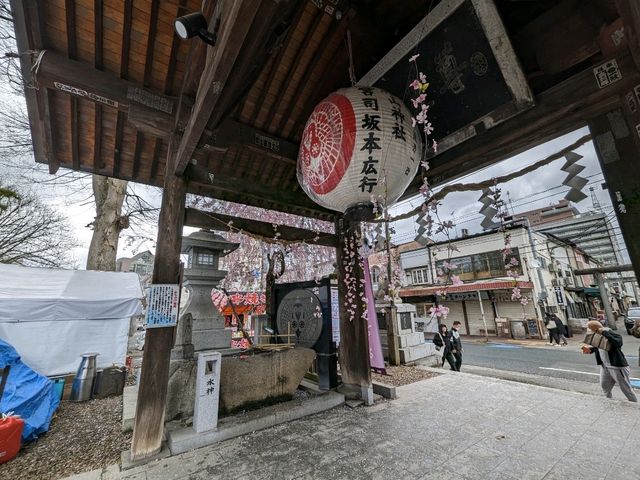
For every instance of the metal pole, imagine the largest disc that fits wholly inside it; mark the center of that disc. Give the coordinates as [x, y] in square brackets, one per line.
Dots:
[484, 320]
[543, 290]
[605, 301]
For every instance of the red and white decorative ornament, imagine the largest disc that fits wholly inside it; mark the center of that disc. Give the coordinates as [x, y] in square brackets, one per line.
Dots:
[357, 145]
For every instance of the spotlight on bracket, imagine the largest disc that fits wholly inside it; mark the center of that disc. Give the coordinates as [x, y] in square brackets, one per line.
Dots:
[192, 25]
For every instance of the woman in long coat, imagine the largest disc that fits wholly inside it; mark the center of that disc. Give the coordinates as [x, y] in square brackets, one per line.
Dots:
[442, 341]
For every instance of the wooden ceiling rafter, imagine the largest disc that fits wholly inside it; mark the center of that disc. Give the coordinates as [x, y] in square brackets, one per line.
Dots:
[337, 31]
[283, 87]
[146, 82]
[27, 22]
[98, 5]
[72, 50]
[124, 74]
[256, 107]
[234, 28]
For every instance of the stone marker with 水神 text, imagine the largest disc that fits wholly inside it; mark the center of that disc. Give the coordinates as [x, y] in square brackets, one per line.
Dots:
[205, 414]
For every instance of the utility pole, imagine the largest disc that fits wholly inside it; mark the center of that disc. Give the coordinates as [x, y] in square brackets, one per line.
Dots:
[484, 320]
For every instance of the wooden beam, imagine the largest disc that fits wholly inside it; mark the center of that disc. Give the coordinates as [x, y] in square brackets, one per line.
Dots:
[75, 139]
[156, 160]
[243, 42]
[117, 145]
[126, 39]
[98, 21]
[236, 21]
[630, 13]
[28, 38]
[617, 144]
[559, 110]
[232, 133]
[251, 193]
[77, 78]
[152, 394]
[136, 156]
[72, 51]
[220, 222]
[151, 37]
[98, 162]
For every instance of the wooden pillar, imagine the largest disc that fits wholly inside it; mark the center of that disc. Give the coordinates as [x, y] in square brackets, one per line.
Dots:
[629, 11]
[616, 137]
[354, 332]
[152, 393]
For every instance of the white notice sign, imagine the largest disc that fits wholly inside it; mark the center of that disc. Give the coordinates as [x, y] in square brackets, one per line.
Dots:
[162, 306]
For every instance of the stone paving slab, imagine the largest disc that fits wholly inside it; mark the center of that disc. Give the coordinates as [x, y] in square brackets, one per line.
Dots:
[451, 427]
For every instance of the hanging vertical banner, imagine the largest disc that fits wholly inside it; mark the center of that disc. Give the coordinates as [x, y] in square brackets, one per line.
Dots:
[162, 306]
[335, 315]
[376, 360]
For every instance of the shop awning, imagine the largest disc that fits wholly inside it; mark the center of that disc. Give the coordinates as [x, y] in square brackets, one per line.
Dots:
[592, 292]
[467, 287]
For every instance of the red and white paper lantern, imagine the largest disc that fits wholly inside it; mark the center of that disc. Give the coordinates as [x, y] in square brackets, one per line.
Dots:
[358, 143]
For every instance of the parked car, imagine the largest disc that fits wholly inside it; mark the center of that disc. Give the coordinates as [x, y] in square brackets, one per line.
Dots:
[633, 314]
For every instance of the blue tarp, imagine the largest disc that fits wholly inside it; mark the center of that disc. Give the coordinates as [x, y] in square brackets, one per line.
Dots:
[27, 394]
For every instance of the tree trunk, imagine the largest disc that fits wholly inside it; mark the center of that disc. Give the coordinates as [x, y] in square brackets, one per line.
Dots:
[109, 196]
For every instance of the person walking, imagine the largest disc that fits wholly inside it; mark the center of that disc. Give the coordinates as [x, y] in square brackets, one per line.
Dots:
[456, 345]
[552, 327]
[613, 364]
[443, 342]
[560, 329]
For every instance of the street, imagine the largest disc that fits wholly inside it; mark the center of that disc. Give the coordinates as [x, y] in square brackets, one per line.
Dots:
[559, 362]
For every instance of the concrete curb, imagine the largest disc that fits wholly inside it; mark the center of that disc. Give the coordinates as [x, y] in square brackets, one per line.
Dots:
[185, 439]
[384, 390]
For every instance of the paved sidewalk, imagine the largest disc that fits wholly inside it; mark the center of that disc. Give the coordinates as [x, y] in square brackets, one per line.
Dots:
[456, 426]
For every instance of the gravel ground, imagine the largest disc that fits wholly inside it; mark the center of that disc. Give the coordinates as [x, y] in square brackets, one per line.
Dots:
[82, 437]
[402, 375]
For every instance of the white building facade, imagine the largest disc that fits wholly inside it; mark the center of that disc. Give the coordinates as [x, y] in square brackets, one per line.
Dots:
[484, 303]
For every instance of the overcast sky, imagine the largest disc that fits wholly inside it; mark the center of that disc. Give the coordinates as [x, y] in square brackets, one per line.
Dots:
[537, 189]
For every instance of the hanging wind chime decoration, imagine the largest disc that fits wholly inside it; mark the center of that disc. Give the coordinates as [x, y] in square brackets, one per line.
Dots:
[573, 180]
[358, 146]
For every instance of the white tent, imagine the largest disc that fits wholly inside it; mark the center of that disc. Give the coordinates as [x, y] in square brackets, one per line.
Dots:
[52, 316]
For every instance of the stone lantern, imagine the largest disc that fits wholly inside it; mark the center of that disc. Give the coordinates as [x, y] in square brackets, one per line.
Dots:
[201, 326]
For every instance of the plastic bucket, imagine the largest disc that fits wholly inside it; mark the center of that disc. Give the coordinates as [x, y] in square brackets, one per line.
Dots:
[58, 386]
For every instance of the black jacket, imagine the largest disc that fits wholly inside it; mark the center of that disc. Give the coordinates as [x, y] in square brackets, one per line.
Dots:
[456, 343]
[616, 357]
[438, 342]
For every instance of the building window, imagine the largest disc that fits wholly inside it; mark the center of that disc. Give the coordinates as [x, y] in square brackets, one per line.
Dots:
[483, 265]
[418, 276]
[422, 309]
